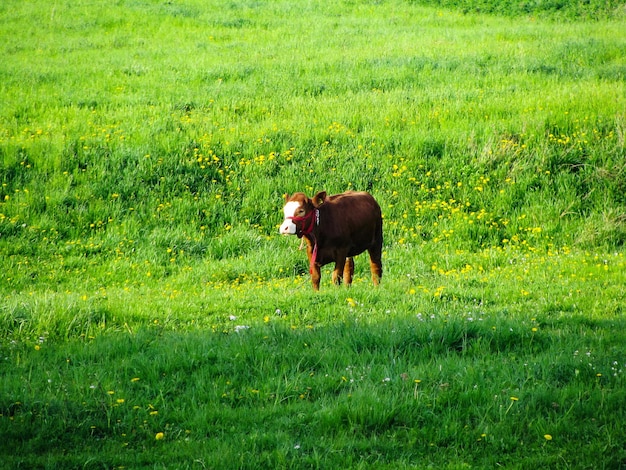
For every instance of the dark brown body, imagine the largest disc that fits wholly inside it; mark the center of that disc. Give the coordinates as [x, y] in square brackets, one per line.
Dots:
[345, 225]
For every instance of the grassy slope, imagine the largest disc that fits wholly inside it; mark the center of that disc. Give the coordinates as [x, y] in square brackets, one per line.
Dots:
[145, 150]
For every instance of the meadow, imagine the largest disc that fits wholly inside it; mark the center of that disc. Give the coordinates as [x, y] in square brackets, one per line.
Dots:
[152, 317]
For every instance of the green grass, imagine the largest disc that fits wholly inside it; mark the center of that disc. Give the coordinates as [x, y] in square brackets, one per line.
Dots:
[437, 368]
[152, 317]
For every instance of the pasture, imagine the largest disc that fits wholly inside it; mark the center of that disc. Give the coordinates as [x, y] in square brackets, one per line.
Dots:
[151, 316]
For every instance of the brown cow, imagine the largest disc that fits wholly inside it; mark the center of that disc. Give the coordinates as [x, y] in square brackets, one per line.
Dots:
[336, 228]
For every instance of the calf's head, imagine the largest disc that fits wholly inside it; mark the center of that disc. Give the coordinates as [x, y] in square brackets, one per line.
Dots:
[300, 213]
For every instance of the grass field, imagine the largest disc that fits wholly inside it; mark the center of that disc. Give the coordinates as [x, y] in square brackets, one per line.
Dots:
[152, 317]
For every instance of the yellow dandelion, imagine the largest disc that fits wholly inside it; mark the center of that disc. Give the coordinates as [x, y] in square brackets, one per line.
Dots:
[159, 436]
[547, 437]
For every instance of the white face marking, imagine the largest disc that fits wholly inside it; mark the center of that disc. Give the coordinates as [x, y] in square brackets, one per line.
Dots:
[288, 227]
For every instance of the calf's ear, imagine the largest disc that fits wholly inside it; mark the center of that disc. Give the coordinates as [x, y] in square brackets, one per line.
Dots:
[319, 198]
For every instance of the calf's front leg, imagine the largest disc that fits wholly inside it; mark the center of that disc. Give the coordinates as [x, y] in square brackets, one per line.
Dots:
[314, 268]
[316, 276]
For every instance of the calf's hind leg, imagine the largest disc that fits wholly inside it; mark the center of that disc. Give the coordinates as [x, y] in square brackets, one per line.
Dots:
[340, 264]
[376, 264]
[348, 271]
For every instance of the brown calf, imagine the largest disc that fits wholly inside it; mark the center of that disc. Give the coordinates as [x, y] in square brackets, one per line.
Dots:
[336, 228]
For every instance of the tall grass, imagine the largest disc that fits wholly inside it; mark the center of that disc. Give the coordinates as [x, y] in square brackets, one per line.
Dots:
[150, 315]
[172, 128]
